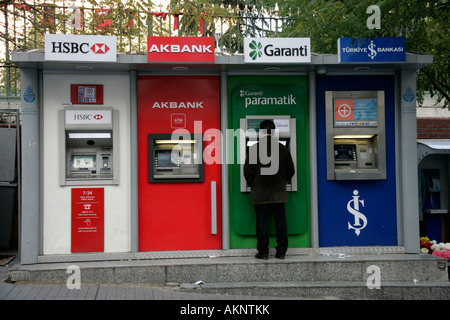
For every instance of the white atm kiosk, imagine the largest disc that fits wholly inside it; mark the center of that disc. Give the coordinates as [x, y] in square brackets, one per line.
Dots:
[89, 151]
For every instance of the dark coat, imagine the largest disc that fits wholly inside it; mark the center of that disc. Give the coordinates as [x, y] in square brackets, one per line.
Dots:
[269, 188]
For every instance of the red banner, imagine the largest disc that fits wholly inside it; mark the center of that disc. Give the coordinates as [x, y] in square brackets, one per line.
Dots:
[181, 49]
[87, 219]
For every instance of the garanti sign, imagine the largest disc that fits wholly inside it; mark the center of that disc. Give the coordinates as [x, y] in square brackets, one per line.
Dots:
[277, 50]
[180, 49]
[61, 47]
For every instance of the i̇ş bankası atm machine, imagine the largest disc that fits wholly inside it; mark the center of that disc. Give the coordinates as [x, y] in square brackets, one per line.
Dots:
[355, 135]
[89, 151]
[286, 127]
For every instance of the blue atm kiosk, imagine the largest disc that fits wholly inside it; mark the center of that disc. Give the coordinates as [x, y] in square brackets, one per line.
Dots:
[356, 161]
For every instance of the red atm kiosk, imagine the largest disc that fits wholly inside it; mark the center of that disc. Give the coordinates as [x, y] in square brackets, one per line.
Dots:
[179, 192]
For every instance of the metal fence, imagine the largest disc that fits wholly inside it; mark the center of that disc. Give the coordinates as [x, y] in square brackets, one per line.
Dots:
[23, 25]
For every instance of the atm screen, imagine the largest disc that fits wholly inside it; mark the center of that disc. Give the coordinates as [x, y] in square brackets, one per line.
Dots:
[83, 162]
[167, 158]
[344, 152]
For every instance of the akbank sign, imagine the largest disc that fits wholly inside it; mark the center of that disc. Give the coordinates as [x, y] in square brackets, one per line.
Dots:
[371, 49]
[61, 47]
[277, 50]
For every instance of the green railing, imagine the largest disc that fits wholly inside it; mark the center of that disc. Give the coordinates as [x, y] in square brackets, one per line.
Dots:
[23, 25]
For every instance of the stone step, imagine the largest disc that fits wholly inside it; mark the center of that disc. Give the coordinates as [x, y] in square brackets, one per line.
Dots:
[390, 290]
[407, 268]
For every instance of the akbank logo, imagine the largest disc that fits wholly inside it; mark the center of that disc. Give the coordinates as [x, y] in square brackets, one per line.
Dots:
[257, 50]
[360, 221]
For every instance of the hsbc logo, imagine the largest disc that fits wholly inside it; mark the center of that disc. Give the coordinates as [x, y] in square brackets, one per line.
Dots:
[100, 48]
[73, 47]
[80, 48]
[87, 116]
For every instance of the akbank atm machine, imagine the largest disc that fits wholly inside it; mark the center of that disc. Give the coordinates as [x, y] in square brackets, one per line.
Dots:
[355, 135]
[286, 131]
[89, 150]
[175, 158]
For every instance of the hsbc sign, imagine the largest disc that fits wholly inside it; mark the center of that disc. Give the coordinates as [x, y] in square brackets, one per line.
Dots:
[181, 49]
[88, 117]
[80, 48]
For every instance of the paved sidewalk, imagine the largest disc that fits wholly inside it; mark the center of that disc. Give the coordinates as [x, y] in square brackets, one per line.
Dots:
[29, 291]
[39, 291]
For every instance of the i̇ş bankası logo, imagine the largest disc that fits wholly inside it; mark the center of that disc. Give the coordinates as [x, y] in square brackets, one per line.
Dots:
[279, 50]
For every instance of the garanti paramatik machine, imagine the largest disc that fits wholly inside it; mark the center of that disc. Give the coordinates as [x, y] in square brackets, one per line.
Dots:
[286, 127]
[355, 135]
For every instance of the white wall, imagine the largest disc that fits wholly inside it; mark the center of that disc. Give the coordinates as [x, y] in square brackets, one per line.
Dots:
[57, 199]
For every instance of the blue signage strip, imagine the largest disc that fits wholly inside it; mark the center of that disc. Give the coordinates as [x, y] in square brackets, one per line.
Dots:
[371, 49]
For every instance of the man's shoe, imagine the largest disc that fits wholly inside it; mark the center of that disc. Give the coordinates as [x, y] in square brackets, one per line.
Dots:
[280, 256]
[263, 256]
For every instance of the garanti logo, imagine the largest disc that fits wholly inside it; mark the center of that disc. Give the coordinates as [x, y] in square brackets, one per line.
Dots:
[256, 46]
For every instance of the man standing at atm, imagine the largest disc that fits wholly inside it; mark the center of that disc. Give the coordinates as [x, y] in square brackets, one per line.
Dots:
[267, 172]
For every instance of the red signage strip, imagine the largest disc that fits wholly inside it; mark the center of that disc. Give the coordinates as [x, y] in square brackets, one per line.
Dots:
[180, 49]
[87, 220]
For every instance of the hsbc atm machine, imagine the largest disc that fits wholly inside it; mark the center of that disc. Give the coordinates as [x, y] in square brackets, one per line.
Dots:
[286, 127]
[89, 150]
[355, 135]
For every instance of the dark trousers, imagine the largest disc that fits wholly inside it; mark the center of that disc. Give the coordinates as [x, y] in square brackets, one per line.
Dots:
[263, 213]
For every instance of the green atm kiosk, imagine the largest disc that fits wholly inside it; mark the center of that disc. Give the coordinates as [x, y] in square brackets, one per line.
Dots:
[284, 100]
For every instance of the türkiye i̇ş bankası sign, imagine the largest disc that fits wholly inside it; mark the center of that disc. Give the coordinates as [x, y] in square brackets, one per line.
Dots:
[371, 49]
[277, 50]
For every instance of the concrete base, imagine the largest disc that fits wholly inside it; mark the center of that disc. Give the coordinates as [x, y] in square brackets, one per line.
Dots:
[392, 290]
[401, 276]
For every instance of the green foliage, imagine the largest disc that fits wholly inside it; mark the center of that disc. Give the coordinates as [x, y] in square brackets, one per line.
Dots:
[424, 24]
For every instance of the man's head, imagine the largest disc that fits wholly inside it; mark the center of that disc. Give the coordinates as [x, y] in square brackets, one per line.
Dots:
[267, 126]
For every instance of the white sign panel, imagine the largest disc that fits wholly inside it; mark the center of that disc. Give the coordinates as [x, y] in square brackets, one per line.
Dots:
[277, 50]
[88, 116]
[60, 47]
